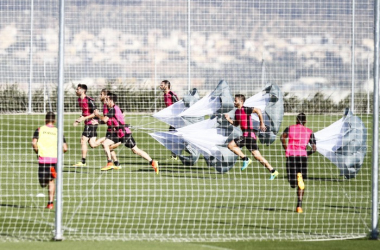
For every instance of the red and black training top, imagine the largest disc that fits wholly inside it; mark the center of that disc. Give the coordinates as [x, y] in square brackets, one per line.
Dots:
[88, 106]
[170, 98]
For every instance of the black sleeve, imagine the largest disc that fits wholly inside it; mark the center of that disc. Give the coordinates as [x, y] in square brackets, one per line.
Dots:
[312, 139]
[36, 134]
[248, 110]
[111, 113]
[286, 131]
[174, 97]
[91, 105]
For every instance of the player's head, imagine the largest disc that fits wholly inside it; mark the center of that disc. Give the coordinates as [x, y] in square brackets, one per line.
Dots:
[103, 94]
[112, 98]
[165, 85]
[301, 118]
[81, 89]
[239, 100]
[50, 117]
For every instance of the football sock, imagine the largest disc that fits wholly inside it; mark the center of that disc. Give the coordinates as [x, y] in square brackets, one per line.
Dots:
[116, 163]
[151, 162]
[245, 158]
[299, 203]
[273, 170]
[84, 160]
[50, 202]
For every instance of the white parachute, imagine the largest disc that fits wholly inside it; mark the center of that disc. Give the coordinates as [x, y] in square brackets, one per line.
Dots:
[210, 137]
[344, 143]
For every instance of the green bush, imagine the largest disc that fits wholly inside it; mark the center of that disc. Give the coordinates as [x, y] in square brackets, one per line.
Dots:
[130, 99]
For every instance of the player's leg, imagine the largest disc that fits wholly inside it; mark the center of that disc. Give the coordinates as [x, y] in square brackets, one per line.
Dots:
[257, 155]
[301, 169]
[83, 141]
[96, 142]
[113, 155]
[235, 146]
[106, 146]
[51, 192]
[173, 156]
[273, 172]
[130, 143]
[291, 170]
[45, 176]
[236, 149]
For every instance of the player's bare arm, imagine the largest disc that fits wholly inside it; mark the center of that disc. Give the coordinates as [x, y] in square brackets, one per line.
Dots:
[102, 118]
[260, 115]
[235, 123]
[34, 145]
[283, 138]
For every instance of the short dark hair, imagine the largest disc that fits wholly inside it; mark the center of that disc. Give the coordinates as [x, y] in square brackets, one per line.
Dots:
[241, 97]
[83, 86]
[112, 97]
[301, 118]
[50, 117]
[167, 83]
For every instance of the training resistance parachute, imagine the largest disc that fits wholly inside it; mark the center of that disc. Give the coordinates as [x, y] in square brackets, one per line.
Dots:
[210, 137]
[344, 143]
[187, 112]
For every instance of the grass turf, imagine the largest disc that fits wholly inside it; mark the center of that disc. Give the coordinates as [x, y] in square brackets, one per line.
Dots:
[183, 203]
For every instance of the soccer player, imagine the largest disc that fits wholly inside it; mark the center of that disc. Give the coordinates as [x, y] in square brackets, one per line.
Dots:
[87, 104]
[117, 133]
[98, 142]
[169, 98]
[248, 139]
[296, 155]
[44, 144]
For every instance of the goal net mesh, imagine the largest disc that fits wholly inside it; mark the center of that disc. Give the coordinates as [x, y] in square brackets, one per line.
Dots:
[305, 47]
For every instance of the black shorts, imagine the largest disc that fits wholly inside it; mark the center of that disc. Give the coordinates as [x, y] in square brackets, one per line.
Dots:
[294, 165]
[247, 141]
[46, 173]
[90, 131]
[127, 139]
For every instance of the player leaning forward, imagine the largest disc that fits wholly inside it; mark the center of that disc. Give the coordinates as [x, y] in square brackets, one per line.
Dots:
[44, 142]
[248, 139]
[118, 133]
[298, 137]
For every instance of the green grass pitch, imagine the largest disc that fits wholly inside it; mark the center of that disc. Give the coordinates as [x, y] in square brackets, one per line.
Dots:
[182, 203]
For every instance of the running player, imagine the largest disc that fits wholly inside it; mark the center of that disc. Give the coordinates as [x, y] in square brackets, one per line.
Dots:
[248, 139]
[117, 133]
[44, 142]
[296, 155]
[169, 98]
[87, 104]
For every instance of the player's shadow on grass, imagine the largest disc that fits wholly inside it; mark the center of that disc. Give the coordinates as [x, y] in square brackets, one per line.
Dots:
[17, 206]
[351, 209]
[258, 226]
[14, 206]
[256, 208]
[72, 170]
[324, 179]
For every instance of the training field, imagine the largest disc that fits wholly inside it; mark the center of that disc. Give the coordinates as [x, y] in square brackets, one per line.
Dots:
[182, 203]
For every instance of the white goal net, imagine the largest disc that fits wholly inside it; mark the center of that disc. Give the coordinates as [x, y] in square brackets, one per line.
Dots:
[314, 54]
